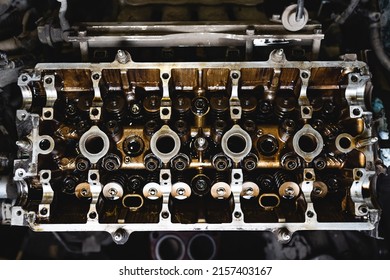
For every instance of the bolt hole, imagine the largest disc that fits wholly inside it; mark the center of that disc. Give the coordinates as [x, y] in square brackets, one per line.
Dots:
[45, 175]
[356, 112]
[165, 176]
[359, 174]
[43, 211]
[309, 175]
[44, 144]
[237, 214]
[96, 76]
[310, 214]
[237, 176]
[165, 76]
[306, 110]
[236, 111]
[18, 213]
[93, 176]
[94, 112]
[47, 114]
[305, 75]
[165, 111]
[235, 75]
[354, 78]
[48, 81]
[92, 215]
[165, 215]
[363, 209]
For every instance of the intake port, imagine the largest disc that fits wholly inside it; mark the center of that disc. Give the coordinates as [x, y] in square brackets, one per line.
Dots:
[132, 201]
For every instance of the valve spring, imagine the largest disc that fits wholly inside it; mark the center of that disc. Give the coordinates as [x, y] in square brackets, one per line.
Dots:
[153, 177]
[329, 110]
[264, 111]
[266, 182]
[219, 107]
[249, 107]
[116, 177]
[220, 177]
[247, 177]
[71, 112]
[152, 104]
[218, 128]
[282, 177]
[116, 107]
[284, 107]
[334, 161]
[333, 183]
[332, 130]
[180, 178]
[182, 107]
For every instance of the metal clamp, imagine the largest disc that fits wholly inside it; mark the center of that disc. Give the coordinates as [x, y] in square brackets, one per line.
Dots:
[47, 195]
[166, 103]
[166, 188]
[95, 188]
[237, 179]
[234, 101]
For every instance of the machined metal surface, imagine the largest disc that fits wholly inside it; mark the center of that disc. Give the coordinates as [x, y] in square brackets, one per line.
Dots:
[197, 146]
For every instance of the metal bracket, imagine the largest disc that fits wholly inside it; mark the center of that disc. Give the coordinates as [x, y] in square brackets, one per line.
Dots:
[234, 101]
[307, 186]
[355, 91]
[95, 189]
[50, 89]
[47, 195]
[166, 187]
[303, 101]
[361, 181]
[166, 103]
[236, 187]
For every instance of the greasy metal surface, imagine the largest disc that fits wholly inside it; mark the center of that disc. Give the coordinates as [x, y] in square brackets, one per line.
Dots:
[179, 156]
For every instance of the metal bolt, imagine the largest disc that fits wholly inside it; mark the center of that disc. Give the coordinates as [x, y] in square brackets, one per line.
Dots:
[201, 185]
[180, 191]
[84, 192]
[317, 190]
[135, 109]
[249, 191]
[221, 191]
[122, 57]
[113, 192]
[152, 191]
[118, 236]
[165, 215]
[289, 192]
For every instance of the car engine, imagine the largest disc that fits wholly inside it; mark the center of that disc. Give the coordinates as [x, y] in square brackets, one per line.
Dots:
[170, 116]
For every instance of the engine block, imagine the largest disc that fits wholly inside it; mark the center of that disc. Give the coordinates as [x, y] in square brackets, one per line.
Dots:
[270, 145]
